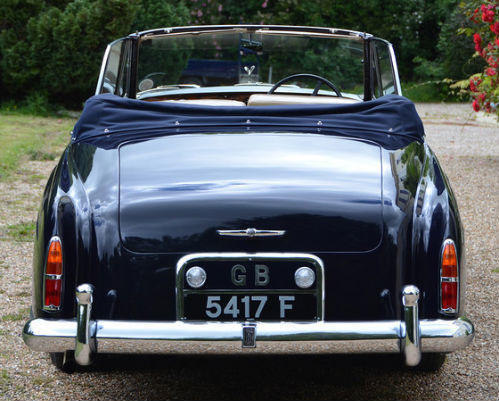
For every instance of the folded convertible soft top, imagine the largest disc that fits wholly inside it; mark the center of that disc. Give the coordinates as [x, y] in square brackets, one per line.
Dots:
[107, 120]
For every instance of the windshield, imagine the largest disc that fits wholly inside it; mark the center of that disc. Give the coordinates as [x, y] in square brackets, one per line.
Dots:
[173, 62]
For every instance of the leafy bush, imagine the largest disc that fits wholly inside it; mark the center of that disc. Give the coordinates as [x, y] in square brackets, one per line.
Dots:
[62, 49]
[412, 26]
[56, 47]
[485, 85]
[160, 13]
[445, 90]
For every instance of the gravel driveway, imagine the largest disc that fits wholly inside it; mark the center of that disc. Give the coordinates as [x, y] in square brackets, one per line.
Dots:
[468, 149]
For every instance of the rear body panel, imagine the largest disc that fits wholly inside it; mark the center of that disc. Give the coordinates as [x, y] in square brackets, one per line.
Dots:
[177, 191]
[377, 191]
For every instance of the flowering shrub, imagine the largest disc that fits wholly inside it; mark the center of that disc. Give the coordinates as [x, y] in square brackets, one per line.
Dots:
[485, 86]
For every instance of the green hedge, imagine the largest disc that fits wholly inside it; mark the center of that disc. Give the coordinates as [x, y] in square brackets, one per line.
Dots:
[52, 49]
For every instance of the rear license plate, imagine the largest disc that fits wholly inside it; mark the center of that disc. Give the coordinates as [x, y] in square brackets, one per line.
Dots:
[226, 306]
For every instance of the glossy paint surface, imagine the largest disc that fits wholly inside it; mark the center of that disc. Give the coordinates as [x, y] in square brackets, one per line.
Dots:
[209, 182]
[324, 191]
[128, 210]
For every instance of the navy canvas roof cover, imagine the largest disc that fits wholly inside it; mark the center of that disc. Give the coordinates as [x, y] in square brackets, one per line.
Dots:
[107, 120]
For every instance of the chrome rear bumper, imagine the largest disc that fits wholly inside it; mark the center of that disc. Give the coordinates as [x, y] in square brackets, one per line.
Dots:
[411, 336]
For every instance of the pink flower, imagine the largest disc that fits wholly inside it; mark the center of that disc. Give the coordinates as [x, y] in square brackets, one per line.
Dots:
[474, 82]
[495, 27]
[220, 7]
[488, 15]
[490, 72]
[200, 13]
[492, 62]
[264, 4]
[485, 8]
[478, 41]
[497, 42]
[475, 14]
[476, 106]
[481, 97]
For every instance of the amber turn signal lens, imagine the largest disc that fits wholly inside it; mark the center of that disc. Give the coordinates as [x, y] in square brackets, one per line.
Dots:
[54, 258]
[449, 261]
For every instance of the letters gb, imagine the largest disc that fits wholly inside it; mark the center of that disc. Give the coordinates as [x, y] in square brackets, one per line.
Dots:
[238, 275]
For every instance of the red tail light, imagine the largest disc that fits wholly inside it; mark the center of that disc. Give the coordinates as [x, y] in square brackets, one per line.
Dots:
[53, 276]
[53, 293]
[449, 278]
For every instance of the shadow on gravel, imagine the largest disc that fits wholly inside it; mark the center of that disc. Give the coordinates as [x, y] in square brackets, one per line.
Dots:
[249, 377]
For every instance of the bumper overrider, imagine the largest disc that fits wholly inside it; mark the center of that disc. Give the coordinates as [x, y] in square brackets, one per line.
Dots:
[411, 336]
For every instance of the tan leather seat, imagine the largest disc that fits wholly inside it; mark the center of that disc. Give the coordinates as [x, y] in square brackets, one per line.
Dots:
[209, 102]
[274, 99]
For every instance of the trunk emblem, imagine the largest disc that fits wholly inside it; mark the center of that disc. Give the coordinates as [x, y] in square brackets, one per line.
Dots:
[251, 232]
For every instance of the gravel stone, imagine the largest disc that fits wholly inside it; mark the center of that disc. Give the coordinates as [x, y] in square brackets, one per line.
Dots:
[468, 148]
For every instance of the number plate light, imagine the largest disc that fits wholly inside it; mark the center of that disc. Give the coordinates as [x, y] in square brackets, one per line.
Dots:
[304, 277]
[196, 276]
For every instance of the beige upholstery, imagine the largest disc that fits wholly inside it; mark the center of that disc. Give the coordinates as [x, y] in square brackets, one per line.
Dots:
[269, 100]
[209, 102]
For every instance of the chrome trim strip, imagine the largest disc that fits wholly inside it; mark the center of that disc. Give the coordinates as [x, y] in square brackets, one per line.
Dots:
[250, 291]
[297, 30]
[115, 336]
[395, 70]
[84, 346]
[53, 276]
[103, 68]
[411, 345]
[251, 232]
[250, 257]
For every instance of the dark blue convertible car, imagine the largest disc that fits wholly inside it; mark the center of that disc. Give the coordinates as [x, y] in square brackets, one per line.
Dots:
[295, 210]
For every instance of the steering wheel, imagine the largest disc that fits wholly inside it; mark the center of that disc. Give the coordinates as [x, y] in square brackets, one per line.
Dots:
[320, 81]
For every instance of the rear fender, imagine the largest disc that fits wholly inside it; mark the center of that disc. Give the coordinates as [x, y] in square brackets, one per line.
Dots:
[64, 213]
[436, 218]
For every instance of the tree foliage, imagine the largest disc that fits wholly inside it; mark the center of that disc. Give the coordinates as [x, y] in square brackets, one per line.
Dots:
[54, 47]
[485, 85]
[414, 27]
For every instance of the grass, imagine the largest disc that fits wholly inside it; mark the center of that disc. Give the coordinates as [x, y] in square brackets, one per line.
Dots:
[25, 137]
[42, 380]
[427, 92]
[23, 232]
[495, 270]
[22, 314]
[435, 91]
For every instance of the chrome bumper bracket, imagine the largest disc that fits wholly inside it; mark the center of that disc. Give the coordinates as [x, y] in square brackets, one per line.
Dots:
[84, 341]
[412, 338]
